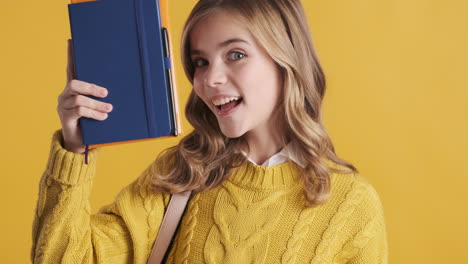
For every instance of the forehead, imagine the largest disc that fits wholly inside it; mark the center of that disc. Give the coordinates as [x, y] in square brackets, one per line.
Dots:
[217, 28]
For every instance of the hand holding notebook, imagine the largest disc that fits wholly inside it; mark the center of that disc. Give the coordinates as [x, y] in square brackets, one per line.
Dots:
[72, 106]
[124, 46]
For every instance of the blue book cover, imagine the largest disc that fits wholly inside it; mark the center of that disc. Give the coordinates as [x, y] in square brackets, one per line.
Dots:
[121, 45]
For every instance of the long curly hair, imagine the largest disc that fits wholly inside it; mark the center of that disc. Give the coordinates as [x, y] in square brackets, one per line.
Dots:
[205, 158]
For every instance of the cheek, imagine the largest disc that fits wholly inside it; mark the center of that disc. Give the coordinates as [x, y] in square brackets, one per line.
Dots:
[197, 86]
[260, 81]
[249, 79]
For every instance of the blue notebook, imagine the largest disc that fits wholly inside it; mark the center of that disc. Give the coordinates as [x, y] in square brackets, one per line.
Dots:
[122, 45]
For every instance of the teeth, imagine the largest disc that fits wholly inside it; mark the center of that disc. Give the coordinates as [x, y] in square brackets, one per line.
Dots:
[224, 100]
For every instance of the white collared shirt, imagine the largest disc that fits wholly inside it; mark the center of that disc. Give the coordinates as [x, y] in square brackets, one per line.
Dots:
[287, 153]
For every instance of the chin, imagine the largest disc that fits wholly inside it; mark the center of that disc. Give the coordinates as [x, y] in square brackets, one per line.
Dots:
[232, 133]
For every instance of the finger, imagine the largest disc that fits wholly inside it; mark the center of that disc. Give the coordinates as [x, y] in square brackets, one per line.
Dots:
[77, 112]
[70, 65]
[76, 87]
[82, 100]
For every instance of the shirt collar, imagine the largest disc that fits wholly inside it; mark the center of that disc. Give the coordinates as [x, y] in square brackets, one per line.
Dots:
[286, 153]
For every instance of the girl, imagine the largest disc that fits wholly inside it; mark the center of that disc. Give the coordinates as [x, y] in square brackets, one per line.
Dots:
[267, 184]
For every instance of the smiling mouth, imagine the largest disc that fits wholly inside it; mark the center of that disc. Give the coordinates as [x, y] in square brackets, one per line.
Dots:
[230, 105]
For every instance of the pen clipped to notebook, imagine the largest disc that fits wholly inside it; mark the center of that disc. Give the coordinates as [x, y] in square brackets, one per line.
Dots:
[114, 46]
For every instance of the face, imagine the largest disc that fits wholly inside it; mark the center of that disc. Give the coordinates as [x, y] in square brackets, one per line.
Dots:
[234, 76]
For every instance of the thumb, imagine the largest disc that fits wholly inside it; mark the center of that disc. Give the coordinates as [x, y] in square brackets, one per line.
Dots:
[70, 65]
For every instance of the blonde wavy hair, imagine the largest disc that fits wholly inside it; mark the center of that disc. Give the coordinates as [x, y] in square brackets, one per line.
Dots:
[205, 158]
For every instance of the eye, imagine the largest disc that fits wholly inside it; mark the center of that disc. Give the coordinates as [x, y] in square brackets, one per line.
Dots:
[198, 62]
[236, 55]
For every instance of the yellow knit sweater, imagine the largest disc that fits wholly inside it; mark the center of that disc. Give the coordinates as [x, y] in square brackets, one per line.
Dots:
[257, 216]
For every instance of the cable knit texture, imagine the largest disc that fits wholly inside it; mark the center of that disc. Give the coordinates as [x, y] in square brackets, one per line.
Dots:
[258, 215]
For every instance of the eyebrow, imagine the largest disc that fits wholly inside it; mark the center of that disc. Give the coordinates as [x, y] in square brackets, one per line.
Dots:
[221, 45]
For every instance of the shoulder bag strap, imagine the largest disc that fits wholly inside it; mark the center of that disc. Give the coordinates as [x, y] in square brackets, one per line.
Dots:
[169, 224]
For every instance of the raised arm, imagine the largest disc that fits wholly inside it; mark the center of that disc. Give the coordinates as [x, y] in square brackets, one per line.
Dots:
[65, 231]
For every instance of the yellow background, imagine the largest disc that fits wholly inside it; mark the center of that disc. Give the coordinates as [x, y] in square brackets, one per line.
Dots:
[396, 107]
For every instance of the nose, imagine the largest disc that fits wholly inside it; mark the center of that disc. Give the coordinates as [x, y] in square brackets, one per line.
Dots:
[215, 75]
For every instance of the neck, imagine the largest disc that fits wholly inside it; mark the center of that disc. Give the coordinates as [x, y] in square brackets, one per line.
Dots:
[263, 144]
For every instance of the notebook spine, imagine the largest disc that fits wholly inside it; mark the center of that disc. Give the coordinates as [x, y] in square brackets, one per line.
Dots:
[147, 82]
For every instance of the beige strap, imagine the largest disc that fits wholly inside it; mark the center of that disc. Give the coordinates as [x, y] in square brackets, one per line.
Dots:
[169, 224]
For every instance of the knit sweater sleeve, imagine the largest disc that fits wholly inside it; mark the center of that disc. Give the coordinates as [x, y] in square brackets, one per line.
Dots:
[369, 244]
[65, 231]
